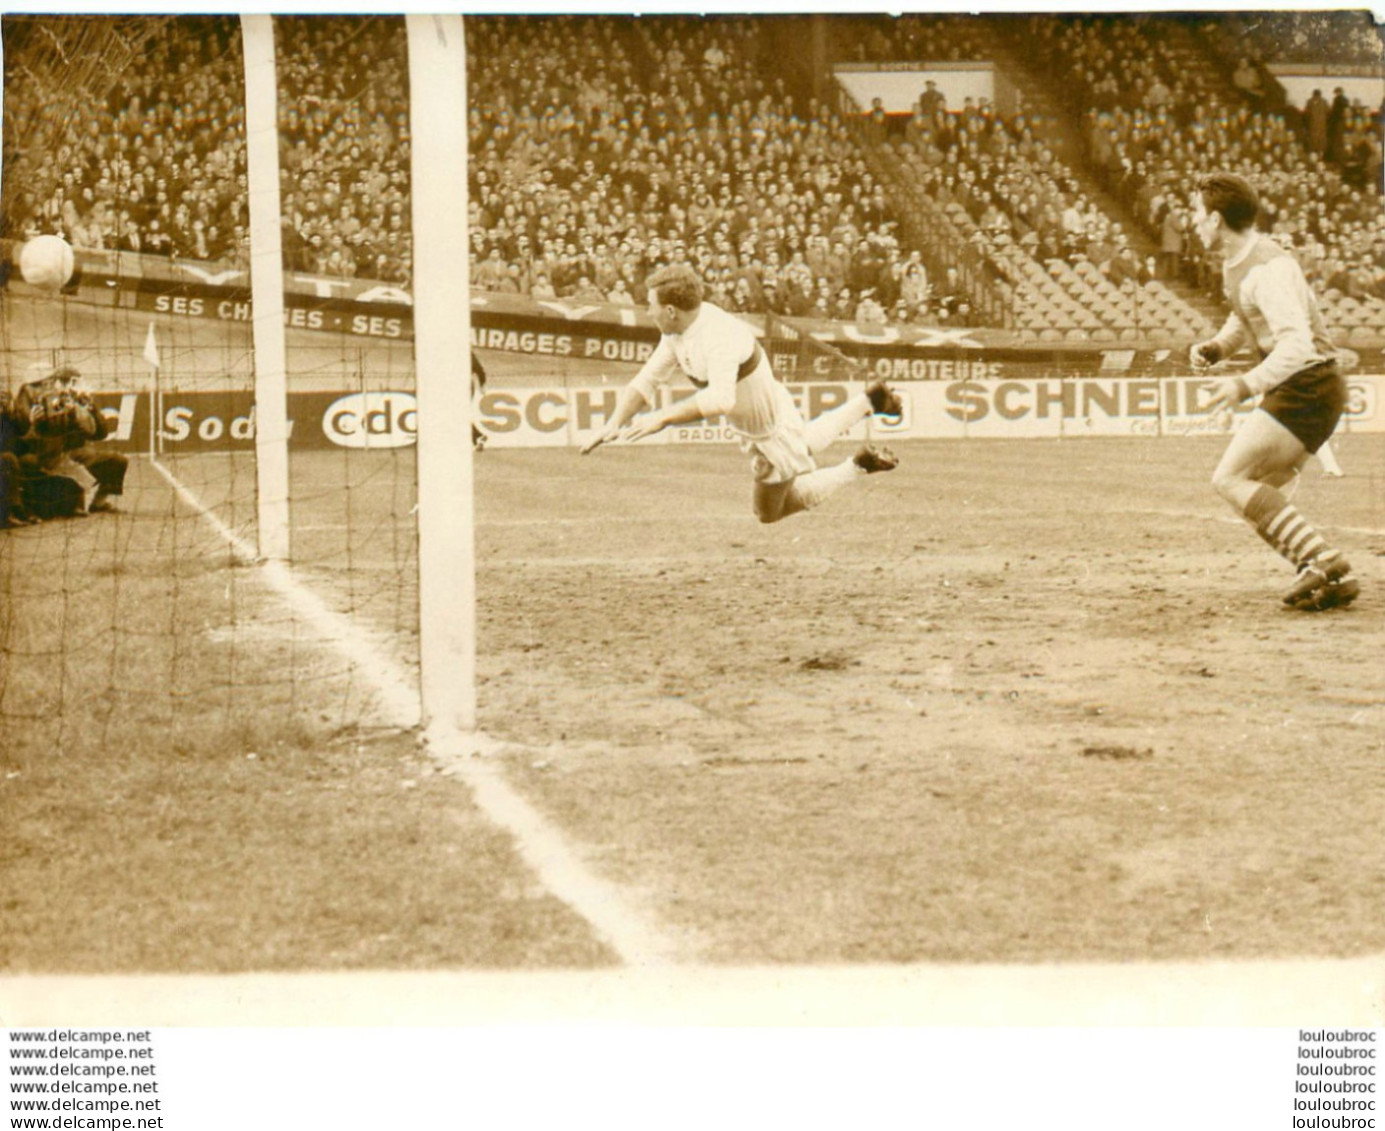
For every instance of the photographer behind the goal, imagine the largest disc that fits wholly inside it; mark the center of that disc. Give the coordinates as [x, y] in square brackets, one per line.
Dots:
[14, 496]
[63, 428]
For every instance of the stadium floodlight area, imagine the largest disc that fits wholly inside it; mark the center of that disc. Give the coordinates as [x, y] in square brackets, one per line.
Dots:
[259, 580]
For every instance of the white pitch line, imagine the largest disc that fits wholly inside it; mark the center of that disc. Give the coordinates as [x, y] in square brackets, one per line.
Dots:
[398, 699]
[242, 549]
[540, 844]
[745, 519]
[1237, 520]
[544, 848]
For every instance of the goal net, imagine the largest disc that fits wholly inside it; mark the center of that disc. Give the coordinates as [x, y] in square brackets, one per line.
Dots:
[161, 621]
[798, 355]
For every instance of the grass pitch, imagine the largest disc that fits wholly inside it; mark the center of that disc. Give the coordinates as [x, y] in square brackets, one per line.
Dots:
[190, 779]
[1016, 701]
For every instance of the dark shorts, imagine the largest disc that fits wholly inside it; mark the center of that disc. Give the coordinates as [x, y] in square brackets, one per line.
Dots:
[1309, 404]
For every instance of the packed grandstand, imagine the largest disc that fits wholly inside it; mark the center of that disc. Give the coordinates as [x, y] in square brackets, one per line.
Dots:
[603, 146]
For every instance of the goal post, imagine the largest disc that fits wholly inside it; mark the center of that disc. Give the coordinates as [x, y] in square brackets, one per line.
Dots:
[442, 364]
[267, 287]
[246, 592]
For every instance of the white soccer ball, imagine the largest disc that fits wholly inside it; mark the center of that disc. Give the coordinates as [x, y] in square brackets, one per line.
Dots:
[47, 262]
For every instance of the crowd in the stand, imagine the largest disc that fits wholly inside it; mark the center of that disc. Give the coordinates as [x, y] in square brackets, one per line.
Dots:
[606, 148]
[159, 165]
[154, 164]
[1006, 188]
[938, 38]
[602, 147]
[344, 146]
[1349, 38]
[1152, 122]
[1148, 138]
[1150, 162]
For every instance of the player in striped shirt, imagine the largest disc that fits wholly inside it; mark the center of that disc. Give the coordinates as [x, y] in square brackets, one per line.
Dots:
[1302, 394]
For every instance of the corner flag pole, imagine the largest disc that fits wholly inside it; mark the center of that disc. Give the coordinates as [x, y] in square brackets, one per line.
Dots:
[442, 360]
[151, 355]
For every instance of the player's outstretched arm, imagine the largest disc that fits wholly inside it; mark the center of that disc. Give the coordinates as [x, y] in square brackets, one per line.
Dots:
[630, 401]
[603, 437]
[680, 412]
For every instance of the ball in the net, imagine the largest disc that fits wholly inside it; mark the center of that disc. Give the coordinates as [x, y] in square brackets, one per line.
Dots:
[47, 262]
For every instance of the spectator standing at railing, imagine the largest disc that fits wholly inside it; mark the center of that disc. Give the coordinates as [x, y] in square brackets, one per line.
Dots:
[586, 291]
[969, 117]
[1336, 124]
[932, 100]
[1074, 227]
[964, 315]
[994, 221]
[798, 275]
[1101, 248]
[843, 305]
[487, 274]
[944, 132]
[1315, 112]
[1126, 267]
[1171, 242]
[877, 123]
[1355, 280]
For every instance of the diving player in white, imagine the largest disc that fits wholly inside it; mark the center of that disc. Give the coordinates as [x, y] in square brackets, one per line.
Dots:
[720, 355]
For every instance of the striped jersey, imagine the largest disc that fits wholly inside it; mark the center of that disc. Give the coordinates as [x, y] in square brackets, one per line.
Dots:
[1273, 309]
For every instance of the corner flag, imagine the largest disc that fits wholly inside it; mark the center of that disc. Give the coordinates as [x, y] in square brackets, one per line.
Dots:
[151, 348]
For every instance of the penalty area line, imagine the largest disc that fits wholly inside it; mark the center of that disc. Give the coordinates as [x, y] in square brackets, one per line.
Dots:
[539, 843]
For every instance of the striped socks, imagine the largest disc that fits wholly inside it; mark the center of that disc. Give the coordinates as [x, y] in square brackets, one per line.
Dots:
[1278, 522]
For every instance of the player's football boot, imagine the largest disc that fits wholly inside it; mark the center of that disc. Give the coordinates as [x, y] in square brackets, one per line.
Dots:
[884, 401]
[872, 458]
[1325, 582]
[1333, 595]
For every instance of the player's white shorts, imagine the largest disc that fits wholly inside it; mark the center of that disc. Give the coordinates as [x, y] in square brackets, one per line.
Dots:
[783, 456]
[770, 427]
